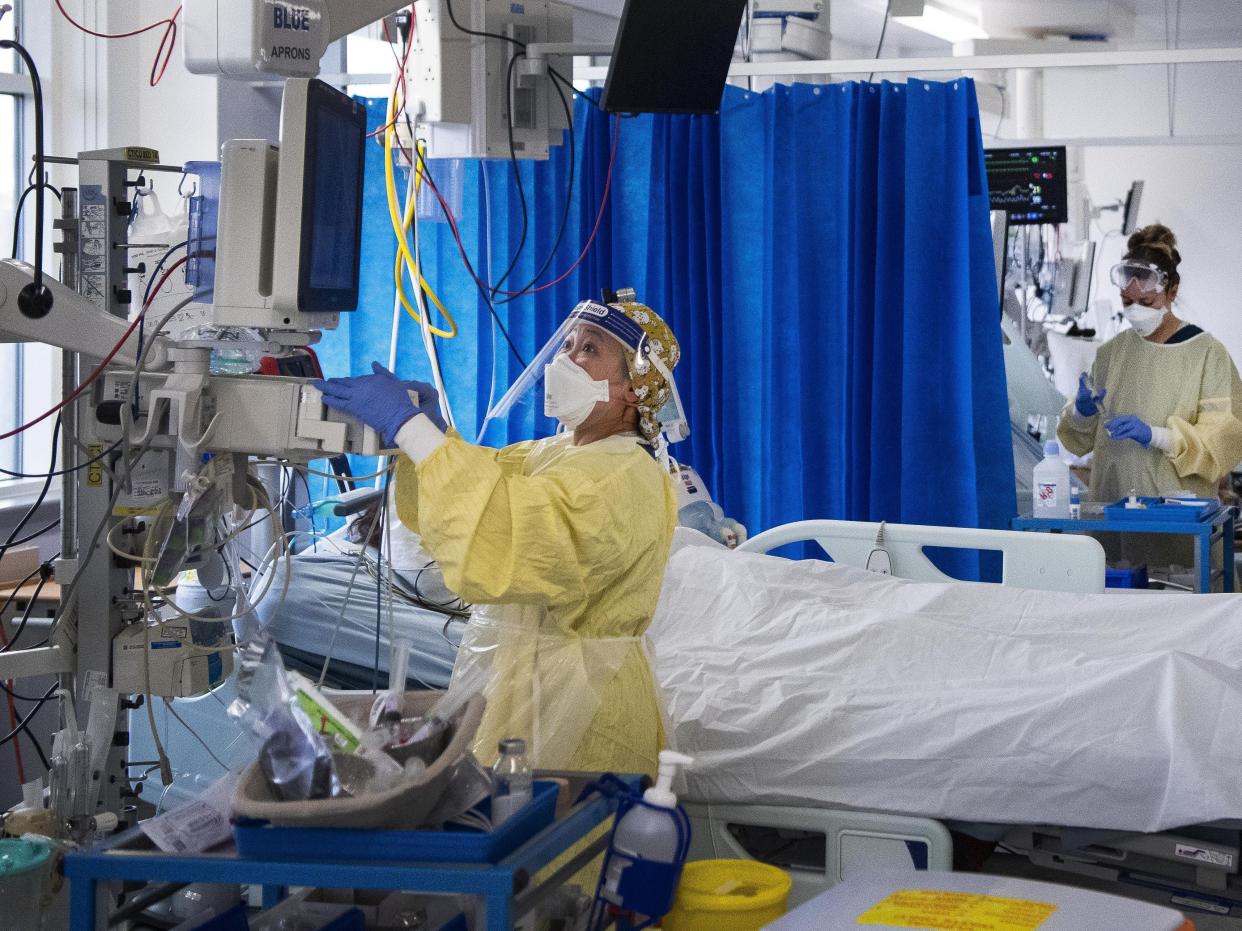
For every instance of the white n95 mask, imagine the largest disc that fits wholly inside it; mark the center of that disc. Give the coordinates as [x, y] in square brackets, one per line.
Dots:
[1146, 320]
[569, 393]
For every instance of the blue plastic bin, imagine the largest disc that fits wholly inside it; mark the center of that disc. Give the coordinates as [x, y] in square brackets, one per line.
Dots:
[1126, 578]
[454, 844]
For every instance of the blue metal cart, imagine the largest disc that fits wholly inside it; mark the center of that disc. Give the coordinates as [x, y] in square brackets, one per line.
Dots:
[506, 887]
[1219, 525]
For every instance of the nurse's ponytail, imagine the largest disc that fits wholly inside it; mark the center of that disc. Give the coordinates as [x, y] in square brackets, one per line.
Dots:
[1157, 245]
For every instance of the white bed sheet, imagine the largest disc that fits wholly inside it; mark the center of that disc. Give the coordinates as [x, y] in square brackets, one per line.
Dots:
[808, 682]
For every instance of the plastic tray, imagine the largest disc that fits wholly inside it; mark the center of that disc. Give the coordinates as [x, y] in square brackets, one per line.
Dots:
[1200, 509]
[454, 844]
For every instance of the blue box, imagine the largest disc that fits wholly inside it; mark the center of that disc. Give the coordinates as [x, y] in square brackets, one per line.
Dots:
[1126, 578]
[1198, 509]
[454, 844]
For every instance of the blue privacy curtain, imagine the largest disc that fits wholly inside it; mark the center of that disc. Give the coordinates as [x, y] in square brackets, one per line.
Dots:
[823, 254]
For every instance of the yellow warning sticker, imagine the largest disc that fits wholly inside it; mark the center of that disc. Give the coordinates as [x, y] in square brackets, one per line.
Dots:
[939, 910]
[95, 471]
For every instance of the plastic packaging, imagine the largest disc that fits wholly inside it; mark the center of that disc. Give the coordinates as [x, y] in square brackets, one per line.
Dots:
[512, 780]
[70, 779]
[1051, 479]
[294, 757]
[1075, 504]
[234, 350]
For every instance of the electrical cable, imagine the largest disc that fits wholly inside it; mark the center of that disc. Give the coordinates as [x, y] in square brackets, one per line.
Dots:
[99, 369]
[36, 289]
[21, 202]
[35, 534]
[4, 687]
[603, 203]
[569, 196]
[879, 46]
[517, 174]
[170, 29]
[66, 471]
[452, 221]
[47, 484]
[23, 725]
[45, 575]
[194, 733]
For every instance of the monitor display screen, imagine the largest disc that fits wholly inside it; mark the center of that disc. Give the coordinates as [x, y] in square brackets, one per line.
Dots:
[1029, 185]
[672, 56]
[331, 201]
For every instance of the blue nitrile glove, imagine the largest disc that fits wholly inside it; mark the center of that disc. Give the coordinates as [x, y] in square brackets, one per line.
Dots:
[381, 400]
[1129, 427]
[1086, 403]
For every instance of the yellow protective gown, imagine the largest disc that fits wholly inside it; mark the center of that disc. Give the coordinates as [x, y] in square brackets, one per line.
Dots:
[1191, 388]
[561, 549]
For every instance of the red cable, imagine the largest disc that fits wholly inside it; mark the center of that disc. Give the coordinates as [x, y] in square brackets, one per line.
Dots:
[448, 212]
[108, 358]
[170, 29]
[116, 35]
[400, 80]
[17, 750]
[598, 217]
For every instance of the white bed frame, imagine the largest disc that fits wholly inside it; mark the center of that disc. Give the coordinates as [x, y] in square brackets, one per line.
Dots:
[859, 841]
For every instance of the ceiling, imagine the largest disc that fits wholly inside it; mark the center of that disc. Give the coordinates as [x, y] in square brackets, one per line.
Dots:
[1131, 23]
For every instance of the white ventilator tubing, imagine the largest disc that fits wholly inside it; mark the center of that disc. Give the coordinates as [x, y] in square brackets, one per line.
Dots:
[661, 794]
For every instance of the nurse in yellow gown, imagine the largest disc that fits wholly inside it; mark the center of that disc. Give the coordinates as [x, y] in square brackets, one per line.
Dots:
[1162, 406]
[560, 544]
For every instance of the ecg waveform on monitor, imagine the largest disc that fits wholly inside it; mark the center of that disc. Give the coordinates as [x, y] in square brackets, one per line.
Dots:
[1028, 184]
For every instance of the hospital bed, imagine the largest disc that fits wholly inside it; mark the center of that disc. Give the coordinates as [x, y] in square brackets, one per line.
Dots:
[822, 844]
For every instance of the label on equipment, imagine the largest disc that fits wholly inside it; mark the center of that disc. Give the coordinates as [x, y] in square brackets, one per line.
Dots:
[941, 910]
[1047, 494]
[1202, 855]
[199, 824]
[94, 471]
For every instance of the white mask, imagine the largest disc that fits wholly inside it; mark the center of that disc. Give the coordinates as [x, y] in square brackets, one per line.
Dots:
[1146, 320]
[569, 392]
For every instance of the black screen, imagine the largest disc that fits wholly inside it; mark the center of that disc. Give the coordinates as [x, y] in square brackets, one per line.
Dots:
[1028, 184]
[331, 200]
[672, 56]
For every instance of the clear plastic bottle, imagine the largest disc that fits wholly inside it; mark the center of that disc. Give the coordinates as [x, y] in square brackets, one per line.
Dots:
[511, 780]
[1051, 484]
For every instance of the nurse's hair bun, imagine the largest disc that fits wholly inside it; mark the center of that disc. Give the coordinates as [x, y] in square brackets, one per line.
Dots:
[1156, 244]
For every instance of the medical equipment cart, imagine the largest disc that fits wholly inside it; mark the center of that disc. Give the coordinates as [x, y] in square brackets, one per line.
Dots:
[506, 887]
[1207, 529]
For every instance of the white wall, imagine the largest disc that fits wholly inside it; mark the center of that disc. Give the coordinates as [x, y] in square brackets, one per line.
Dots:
[1196, 190]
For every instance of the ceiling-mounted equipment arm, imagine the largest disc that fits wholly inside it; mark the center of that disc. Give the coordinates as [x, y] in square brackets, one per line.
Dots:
[253, 38]
[74, 323]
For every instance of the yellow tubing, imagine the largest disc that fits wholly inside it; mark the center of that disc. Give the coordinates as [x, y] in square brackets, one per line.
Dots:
[401, 229]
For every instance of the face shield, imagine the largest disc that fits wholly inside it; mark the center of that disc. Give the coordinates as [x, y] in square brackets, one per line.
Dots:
[592, 330]
[1142, 277]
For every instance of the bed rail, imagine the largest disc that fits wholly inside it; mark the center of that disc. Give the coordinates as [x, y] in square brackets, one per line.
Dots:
[1042, 561]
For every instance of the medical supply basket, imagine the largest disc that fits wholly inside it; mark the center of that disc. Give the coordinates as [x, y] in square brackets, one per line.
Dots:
[507, 887]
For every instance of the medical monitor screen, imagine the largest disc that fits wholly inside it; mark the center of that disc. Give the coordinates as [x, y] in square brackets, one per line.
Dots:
[331, 201]
[672, 56]
[1028, 184]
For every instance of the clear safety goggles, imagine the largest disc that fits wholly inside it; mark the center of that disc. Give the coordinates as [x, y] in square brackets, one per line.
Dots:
[1143, 276]
[587, 321]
